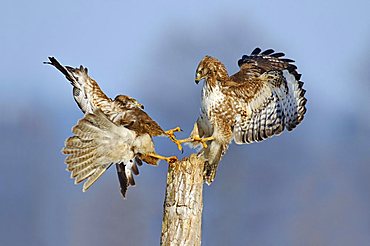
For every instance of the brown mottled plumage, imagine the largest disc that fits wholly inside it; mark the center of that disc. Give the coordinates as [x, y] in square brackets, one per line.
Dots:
[136, 119]
[112, 131]
[256, 103]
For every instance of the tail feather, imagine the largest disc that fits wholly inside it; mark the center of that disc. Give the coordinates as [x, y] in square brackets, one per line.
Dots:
[135, 169]
[126, 172]
[131, 169]
[122, 178]
[213, 156]
[138, 161]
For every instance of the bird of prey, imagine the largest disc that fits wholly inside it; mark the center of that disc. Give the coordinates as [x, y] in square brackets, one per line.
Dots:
[259, 101]
[111, 132]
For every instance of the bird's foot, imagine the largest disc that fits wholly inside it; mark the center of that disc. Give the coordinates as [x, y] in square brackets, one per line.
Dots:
[197, 139]
[171, 159]
[171, 135]
[203, 141]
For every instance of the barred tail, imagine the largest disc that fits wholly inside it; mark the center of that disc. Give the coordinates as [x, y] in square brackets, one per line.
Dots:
[213, 156]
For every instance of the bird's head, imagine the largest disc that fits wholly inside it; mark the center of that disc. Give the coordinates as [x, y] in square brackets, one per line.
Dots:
[210, 67]
[128, 102]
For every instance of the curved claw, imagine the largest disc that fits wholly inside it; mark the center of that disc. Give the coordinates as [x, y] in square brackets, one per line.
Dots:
[193, 138]
[171, 135]
[172, 131]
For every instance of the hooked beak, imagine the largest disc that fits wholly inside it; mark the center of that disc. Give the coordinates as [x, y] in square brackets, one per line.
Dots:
[197, 78]
[139, 105]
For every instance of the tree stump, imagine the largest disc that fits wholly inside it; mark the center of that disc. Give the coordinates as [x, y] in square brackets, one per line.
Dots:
[183, 205]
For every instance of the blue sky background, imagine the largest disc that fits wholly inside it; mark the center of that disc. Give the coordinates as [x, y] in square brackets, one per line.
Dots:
[307, 187]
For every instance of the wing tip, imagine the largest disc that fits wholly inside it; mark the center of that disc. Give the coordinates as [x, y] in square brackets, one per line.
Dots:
[51, 60]
[268, 53]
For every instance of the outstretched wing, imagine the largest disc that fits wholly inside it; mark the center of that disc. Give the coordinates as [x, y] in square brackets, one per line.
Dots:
[86, 90]
[269, 94]
[97, 144]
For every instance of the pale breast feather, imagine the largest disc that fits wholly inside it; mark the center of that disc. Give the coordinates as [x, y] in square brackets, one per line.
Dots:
[212, 98]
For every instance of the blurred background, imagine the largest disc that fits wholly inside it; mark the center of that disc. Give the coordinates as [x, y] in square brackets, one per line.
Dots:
[306, 187]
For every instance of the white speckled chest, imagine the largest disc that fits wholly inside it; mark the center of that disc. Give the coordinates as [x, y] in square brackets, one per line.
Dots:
[212, 99]
[215, 104]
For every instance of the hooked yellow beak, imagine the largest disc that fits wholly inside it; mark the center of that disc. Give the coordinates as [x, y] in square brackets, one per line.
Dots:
[197, 78]
[139, 105]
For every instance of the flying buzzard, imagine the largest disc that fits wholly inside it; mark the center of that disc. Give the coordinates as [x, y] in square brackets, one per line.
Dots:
[112, 131]
[258, 102]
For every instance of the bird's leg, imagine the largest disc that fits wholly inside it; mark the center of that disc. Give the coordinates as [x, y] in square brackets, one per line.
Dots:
[170, 159]
[203, 141]
[196, 138]
[171, 135]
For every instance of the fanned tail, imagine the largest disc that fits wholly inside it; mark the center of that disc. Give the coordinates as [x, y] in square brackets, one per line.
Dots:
[96, 145]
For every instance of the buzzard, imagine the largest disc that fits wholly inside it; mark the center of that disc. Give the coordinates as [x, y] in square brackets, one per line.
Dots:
[260, 101]
[112, 131]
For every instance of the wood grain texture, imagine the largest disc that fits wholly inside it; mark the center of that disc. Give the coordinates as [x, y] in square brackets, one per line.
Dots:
[183, 205]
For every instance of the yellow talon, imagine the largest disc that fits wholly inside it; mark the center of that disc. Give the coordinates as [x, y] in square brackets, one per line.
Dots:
[192, 138]
[171, 135]
[196, 138]
[171, 131]
[203, 141]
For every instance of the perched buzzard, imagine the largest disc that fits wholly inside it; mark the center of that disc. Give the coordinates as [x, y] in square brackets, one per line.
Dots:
[258, 102]
[111, 132]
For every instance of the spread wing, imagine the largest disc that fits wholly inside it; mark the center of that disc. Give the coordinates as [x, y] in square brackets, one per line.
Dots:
[98, 142]
[89, 97]
[270, 93]
[86, 90]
